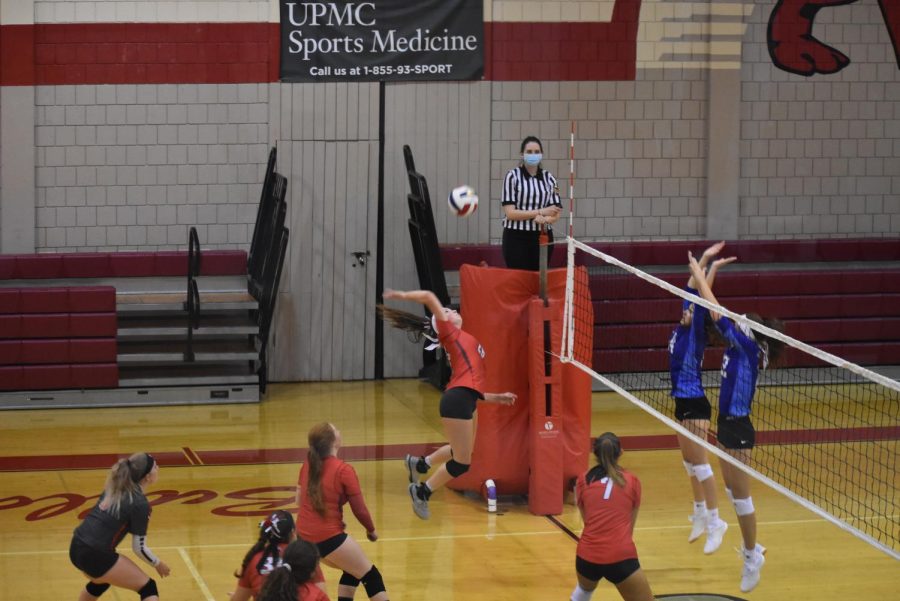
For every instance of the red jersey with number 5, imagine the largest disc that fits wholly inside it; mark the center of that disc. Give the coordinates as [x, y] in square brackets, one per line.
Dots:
[607, 509]
[465, 354]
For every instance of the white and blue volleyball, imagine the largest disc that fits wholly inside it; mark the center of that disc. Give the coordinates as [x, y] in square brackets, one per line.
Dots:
[463, 201]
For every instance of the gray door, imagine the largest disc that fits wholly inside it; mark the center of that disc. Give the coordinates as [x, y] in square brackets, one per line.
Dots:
[325, 318]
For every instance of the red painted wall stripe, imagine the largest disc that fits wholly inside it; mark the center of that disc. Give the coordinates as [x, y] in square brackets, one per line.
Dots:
[160, 53]
[650, 442]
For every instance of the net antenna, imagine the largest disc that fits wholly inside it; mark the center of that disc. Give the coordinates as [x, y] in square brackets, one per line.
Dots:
[827, 429]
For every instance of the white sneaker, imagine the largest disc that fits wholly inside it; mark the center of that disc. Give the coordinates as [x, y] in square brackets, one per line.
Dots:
[699, 527]
[410, 463]
[753, 563]
[420, 507]
[714, 535]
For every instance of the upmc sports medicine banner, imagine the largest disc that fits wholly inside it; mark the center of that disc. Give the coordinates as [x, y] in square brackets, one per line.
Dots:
[382, 40]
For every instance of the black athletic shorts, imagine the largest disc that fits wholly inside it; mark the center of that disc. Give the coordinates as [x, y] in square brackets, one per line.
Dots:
[459, 402]
[329, 545]
[736, 432]
[692, 408]
[92, 562]
[614, 572]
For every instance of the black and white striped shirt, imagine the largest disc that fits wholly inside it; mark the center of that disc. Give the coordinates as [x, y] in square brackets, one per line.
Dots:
[528, 193]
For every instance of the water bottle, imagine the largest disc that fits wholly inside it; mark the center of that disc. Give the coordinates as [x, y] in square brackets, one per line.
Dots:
[491, 495]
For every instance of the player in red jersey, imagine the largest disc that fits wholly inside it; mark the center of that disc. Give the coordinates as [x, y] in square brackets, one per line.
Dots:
[325, 484]
[293, 579]
[275, 532]
[458, 403]
[608, 498]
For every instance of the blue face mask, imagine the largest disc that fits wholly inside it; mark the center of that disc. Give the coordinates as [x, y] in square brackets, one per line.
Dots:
[532, 159]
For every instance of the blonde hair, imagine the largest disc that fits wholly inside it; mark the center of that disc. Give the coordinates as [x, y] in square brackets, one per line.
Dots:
[124, 480]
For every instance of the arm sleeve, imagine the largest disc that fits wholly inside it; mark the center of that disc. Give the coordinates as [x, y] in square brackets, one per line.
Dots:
[508, 194]
[140, 548]
[554, 190]
[729, 333]
[350, 484]
[446, 331]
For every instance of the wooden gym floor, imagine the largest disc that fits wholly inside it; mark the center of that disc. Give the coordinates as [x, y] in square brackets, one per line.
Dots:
[226, 465]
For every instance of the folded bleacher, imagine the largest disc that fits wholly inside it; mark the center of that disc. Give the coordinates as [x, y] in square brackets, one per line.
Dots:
[142, 327]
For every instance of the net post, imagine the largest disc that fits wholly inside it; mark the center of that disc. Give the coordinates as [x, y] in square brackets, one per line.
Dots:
[543, 249]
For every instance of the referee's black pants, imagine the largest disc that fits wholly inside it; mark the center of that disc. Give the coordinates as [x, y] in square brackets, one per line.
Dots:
[521, 250]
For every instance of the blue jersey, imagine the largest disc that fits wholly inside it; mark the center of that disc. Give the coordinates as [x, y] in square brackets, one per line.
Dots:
[740, 369]
[686, 354]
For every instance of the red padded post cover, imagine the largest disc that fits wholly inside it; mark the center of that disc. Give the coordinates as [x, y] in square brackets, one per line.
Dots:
[545, 478]
[494, 308]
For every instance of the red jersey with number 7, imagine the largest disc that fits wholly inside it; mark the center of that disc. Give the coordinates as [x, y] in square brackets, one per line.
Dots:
[465, 354]
[608, 511]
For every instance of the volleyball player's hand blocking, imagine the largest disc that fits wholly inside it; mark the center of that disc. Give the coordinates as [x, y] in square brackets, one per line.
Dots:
[503, 398]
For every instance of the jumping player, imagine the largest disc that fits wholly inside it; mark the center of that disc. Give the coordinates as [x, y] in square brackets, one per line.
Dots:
[122, 508]
[325, 484]
[293, 579]
[458, 403]
[692, 408]
[747, 349]
[608, 497]
[275, 532]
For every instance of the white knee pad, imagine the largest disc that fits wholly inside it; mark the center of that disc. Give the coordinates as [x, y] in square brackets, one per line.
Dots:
[703, 471]
[743, 506]
[689, 468]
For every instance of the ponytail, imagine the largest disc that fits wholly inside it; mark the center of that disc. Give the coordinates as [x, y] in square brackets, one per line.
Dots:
[124, 480]
[321, 441]
[298, 567]
[771, 348]
[607, 450]
[415, 325]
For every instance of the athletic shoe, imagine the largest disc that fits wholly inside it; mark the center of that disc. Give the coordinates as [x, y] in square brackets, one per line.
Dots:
[714, 536]
[410, 463]
[419, 506]
[699, 527]
[753, 563]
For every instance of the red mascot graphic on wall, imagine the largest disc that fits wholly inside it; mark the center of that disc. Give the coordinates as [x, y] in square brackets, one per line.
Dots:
[793, 47]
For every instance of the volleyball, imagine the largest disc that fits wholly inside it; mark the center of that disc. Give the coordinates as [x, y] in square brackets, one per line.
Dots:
[463, 201]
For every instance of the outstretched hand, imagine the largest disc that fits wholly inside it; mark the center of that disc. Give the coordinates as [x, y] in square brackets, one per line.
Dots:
[723, 261]
[713, 250]
[694, 266]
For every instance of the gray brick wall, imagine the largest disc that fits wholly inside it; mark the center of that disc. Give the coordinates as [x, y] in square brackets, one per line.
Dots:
[640, 150]
[820, 156]
[122, 167]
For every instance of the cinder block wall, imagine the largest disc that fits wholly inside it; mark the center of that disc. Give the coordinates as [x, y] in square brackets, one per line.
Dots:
[135, 166]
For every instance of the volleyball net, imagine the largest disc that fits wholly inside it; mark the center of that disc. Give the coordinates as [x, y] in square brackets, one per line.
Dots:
[827, 429]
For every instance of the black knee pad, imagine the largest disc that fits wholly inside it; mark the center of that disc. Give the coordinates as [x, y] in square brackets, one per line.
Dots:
[149, 589]
[373, 582]
[95, 590]
[457, 469]
[349, 580]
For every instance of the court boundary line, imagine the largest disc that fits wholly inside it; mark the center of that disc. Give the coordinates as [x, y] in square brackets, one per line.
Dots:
[196, 574]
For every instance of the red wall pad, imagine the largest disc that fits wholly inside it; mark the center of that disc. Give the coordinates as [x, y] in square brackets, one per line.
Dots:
[495, 310]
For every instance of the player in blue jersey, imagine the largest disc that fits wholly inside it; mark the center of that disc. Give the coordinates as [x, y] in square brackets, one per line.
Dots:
[692, 408]
[747, 349]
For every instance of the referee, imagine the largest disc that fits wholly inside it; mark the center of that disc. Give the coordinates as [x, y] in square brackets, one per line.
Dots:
[530, 199]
